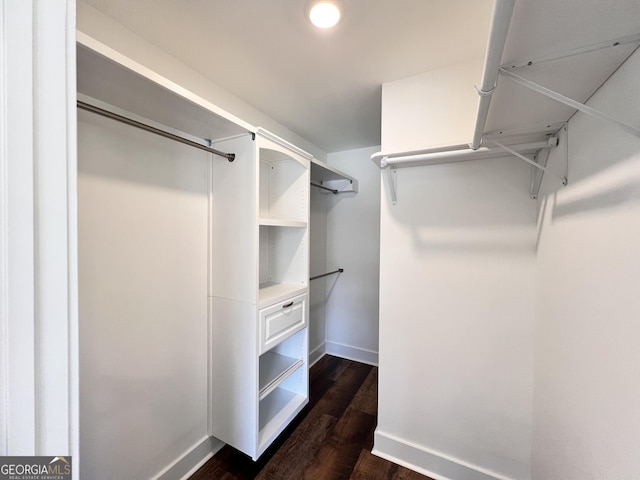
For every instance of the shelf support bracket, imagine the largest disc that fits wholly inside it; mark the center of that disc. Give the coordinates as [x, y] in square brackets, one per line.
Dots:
[322, 187]
[570, 102]
[391, 179]
[553, 142]
[541, 158]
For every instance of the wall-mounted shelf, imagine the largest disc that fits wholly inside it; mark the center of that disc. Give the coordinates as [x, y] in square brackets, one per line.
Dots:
[129, 87]
[272, 222]
[331, 178]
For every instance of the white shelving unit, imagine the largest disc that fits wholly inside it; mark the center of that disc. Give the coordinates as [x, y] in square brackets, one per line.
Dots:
[259, 290]
[258, 247]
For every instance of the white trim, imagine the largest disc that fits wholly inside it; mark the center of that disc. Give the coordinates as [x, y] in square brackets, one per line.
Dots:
[349, 352]
[51, 112]
[426, 461]
[20, 349]
[38, 291]
[72, 241]
[210, 346]
[282, 142]
[191, 460]
[317, 353]
[4, 237]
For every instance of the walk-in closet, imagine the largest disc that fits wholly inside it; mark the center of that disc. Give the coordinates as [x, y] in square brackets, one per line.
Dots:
[244, 240]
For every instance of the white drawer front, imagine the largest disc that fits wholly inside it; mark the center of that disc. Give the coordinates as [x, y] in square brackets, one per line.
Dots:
[281, 320]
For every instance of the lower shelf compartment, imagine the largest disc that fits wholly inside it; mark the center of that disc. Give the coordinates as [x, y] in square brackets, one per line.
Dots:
[276, 411]
[274, 369]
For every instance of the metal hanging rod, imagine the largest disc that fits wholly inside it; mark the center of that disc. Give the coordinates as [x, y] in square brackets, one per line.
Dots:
[325, 188]
[340, 270]
[458, 155]
[148, 128]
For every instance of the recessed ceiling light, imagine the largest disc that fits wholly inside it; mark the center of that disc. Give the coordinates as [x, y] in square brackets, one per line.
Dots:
[324, 13]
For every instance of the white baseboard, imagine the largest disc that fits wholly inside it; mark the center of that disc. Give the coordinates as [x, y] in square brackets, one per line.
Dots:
[191, 460]
[428, 462]
[316, 354]
[361, 355]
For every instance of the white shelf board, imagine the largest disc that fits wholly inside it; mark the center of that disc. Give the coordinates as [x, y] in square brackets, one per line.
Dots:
[330, 177]
[534, 33]
[277, 222]
[274, 369]
[112, 78]
[276, 411]
[270, 292]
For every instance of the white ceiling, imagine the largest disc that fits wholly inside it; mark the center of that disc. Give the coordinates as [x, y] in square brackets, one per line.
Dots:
[323, 85]
[326, 85]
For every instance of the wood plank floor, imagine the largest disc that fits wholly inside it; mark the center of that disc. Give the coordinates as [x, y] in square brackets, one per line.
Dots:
[331, 439]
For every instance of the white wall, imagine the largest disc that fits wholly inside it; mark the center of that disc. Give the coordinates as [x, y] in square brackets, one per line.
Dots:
[458, 336]
[353, 243]
[587, 388]
[457, 259]
[345, 233]
[433, 109]
[143, 212]
[317, 265]
[104, 29]
[456, 320]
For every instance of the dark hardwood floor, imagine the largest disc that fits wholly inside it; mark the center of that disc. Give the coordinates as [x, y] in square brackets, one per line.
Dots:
[331, 439]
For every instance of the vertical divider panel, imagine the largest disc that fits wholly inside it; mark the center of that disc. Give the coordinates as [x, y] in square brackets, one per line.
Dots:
[233, 222]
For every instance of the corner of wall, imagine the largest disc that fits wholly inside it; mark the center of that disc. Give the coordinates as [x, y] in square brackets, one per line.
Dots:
[191, 460]
[353, 243]
[428, 462]
[407, 123]
[586, 296]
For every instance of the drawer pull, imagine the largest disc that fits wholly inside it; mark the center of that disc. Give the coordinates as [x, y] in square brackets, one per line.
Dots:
[287, 305]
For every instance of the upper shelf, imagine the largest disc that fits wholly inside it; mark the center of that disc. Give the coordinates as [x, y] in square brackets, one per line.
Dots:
[110, 77]
[332, 178]
[535, 39]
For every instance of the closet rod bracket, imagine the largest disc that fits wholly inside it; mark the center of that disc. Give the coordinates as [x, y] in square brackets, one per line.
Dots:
[229, 156]
[552, 143]
[322, 187]
[392, 179]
